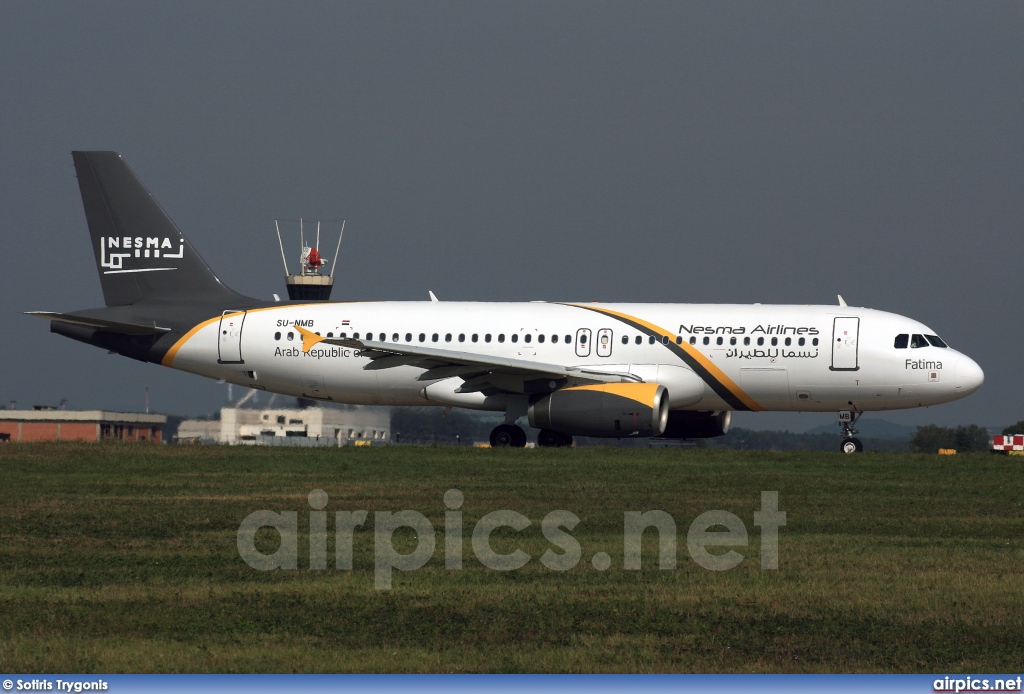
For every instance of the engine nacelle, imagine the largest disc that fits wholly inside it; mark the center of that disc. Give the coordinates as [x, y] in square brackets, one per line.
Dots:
[697, 425]
[610, 410]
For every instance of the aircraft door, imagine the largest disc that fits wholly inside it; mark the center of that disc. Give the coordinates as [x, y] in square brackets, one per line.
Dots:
[229, 338]
[844, 344]
[583, 342]
[604, 342]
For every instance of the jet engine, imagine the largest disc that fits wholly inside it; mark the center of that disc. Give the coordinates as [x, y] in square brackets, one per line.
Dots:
[696, 425]
[611, 410]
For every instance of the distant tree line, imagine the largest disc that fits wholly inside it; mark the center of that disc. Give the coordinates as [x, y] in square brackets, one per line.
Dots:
[964, 439]
[748, 439]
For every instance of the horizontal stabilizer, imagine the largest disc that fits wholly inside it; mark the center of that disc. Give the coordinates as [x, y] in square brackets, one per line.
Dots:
[101, 324]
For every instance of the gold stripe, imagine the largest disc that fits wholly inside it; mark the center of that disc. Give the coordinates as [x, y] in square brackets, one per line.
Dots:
[309, 338]
[642, 393]
[168, 359]
[706, 363]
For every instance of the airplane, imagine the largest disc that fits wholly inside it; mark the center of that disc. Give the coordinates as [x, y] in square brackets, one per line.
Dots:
[568, 368]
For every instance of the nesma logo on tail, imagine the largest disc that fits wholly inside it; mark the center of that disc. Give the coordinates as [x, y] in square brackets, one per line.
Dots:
[137, 247]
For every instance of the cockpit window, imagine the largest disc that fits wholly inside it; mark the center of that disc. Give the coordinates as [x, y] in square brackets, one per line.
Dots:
[935, 341]
[902, 340]
[918, 341]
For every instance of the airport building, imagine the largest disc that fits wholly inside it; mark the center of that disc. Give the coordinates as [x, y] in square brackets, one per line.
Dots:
[47, 424]
[310, 426]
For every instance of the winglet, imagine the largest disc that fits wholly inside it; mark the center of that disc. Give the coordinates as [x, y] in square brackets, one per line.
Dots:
[842, 302]
[432, 297]
[309, 339]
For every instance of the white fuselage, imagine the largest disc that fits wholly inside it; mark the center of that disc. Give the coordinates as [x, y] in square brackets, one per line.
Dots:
[765, 357]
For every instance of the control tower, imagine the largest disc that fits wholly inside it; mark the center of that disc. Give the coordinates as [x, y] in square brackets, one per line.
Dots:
[311, 283]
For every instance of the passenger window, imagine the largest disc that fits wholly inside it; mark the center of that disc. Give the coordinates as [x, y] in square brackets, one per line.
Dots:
[408, 337]
[291, 336]
[746, 341]
[693, 340]
[433, 338]
[475, 337]
[487, 337]
[277, 336]
[935, 341]
[775, 341]
[918, 341]
[515, 337]
[679, 339]
[639, 340]
[664, 339]
[625, 339]
[394, 338]
[650, 340]
[462, 337]
[568, 339]
[814, 342]
[448, 337]
[501, 337]
[423, 337]
[760, 341]
[330, 334]
[554, 338]
[707, 340]
[528, 337]
[801, 341]
[902, 340]
[718, 341]
[355, 336]
[341, 335]
[789, 341]
[732, 340]
[540, 338]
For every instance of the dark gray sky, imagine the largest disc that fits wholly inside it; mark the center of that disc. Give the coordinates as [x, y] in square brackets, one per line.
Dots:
[671, 152]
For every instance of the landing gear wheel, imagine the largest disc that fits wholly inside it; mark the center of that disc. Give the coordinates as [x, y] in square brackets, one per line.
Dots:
[851, 446]
[508, 436]
[548, 439]
[553, 439]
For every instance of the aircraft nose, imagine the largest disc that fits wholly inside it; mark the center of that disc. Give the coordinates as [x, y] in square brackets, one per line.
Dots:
[969, 376]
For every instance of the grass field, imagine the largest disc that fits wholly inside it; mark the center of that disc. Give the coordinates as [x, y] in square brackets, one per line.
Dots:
[119, 558]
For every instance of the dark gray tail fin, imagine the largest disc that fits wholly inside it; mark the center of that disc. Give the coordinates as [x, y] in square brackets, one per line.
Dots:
[140, 253]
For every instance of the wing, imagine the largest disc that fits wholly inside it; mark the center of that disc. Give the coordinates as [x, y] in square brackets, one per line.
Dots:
[101, 324]
[479, 372]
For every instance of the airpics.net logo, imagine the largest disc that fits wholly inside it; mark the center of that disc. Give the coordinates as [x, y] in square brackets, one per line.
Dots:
[702, 535]
[136, 247]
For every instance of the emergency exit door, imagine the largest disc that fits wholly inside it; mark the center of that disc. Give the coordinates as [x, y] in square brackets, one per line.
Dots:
[229, 338]
[583, 342]
[844, 344]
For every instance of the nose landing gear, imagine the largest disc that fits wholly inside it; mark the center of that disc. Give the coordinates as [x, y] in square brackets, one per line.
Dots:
[850, 444]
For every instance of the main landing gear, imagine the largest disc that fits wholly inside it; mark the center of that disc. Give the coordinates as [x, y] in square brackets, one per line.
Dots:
[850, 444]
[553, 439]
[508, 436]
[512, 436]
